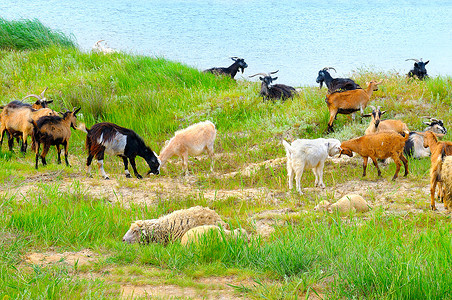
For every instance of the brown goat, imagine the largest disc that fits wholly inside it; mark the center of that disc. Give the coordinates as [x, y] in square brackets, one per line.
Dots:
[378, 146]
[378, 125]
[349, 101]
[436, 147]
[53, 130]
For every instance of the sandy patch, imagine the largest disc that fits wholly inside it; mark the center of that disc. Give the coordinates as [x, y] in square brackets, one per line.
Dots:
[82, 257]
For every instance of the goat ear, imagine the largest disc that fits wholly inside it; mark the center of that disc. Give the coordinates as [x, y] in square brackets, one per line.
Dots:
[274, 78]
[50, 101]
[427, 123]
[426, 62]
[416, 64]
[367, 115]
[76, 110]
[261, 78]
[383, 112]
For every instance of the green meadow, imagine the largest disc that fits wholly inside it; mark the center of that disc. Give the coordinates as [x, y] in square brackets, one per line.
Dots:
[52, 217]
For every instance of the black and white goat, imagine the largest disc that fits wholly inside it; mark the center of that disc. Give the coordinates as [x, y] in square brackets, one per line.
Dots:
[274, 91]
[419, 69]
[239, 63]
[335, 84]
[116, 140]
[414, 146]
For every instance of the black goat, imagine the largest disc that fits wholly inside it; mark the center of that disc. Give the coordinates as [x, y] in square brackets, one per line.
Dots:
[41, 102]
[239, 63]
[419, 69]
[120, 141]
[335, 84]
[414, 146]
[274, 91]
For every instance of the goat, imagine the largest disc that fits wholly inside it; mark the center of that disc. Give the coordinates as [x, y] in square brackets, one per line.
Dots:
[15, 121]
[419, 69]
[41, 102]
[442, 171]
[116, 140]
[415, 145]
[98, 47]
[436, 147]
[239, 63]
[304, 153]
[274, 91]
[378, 125]
[335, 84]
[349, 101]
[53, 130]
[378, 146]
[192, 140]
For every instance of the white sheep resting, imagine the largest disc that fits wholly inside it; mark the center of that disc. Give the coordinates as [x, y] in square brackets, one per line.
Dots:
[193, 140]
[352, 202]
[172, 226]
[304, 153]
[193, 235]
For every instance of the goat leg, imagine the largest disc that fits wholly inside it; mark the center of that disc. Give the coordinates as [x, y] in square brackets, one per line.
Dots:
[374, 160]
[59, 154]
[364, 165]
[132, 162]
[126, 166]
[88, 163]
[66, 153]
[405, 164]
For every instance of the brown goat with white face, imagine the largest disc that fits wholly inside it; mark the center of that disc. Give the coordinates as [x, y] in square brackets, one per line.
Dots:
[378, 146]
[53, 130]
[436, 147]
[378, 125]
[349, 102]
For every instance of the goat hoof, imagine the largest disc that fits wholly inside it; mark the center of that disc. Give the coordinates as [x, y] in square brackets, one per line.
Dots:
[139, 176]
[128, 176]
[107, 178]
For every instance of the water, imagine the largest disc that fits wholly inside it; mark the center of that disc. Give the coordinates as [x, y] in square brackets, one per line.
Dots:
[298, 38]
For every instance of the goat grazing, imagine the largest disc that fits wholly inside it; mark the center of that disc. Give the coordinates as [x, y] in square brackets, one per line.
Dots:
[193, 140]
[304, 153]
[378, 146]
[120, 141]
[98, 47]
[274, 91]
[335, 84]
[378, 125]
[349, 101]
[419, 69]
[53, 130]
[415, 145]
[239, 63]
[436, 147]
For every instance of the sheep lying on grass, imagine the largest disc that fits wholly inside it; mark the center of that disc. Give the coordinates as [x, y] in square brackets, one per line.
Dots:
[171, 227]
[304, 153]
[193, 235]
[352, 202]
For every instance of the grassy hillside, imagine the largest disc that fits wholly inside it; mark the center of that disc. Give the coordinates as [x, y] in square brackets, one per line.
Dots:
[399, 250]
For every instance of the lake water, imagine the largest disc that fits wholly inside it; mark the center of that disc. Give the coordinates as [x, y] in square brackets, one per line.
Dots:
[298, 38]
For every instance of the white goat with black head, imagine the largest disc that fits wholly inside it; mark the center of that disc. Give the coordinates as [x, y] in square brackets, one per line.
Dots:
[239, 64]
[274, 91]
[414, 146]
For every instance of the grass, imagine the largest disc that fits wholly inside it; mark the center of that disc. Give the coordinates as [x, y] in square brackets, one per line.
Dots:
[399, 250]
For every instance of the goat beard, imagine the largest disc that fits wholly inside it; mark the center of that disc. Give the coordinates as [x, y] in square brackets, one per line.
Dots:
[243, 70]
[321, 84]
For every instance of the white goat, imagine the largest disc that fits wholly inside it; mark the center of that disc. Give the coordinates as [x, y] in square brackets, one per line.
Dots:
[193, 140]
[98, 47]
[303, 153]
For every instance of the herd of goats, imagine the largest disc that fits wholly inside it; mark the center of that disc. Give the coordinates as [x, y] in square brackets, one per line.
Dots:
[383, 138]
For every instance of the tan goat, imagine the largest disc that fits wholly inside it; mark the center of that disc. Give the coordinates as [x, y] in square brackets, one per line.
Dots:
[378, 125]
[193, 140]
[444, 167]
[436, 147]
[349, 101]
[378, 146]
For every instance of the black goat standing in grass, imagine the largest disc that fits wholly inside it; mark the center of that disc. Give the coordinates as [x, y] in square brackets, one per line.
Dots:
[120, 141]
[274, 91]
[239, 63]
[419, 69]
[335, 84]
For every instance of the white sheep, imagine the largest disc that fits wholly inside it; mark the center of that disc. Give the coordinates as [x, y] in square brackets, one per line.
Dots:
[193, 235]
[352, 202]
[172, 226]
[193, 140]
[304, 153]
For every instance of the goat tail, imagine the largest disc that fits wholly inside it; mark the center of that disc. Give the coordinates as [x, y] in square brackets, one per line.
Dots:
[288, 148]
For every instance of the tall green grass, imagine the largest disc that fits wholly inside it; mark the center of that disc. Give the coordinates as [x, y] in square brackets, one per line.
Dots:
[31, 34]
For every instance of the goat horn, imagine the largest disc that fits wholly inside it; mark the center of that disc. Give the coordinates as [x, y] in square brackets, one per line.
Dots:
[234, 58]
[329, 68]
[416, 60]
[431, 118]
[42, 93]
[378, 107]
[32, 95]
[263, 74]
[373, 107]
